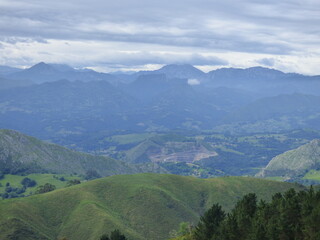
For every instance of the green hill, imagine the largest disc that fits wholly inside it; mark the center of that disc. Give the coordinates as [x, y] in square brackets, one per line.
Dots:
[142, 206]
[294, 163]
[24, 154]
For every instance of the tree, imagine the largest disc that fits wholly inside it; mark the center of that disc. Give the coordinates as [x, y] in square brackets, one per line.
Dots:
[244, 212]
[290, 217]
[116, 235]
[92, 174]
[209, 224]
[104, 237]
[73, 182]
[45, 188]
[27, 182]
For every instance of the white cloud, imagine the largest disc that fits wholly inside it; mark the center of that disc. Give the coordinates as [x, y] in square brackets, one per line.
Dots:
[193, 82]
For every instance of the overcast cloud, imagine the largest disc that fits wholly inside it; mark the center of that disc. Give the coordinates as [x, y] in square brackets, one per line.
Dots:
[129, 34]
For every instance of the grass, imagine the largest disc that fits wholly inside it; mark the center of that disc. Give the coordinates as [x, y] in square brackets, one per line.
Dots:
[225, 149]
[312, 175]
[41, 179]
[142, 206]
[280, 179]
[130, 138]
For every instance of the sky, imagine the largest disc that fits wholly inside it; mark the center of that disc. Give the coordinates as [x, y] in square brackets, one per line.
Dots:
[125, 35]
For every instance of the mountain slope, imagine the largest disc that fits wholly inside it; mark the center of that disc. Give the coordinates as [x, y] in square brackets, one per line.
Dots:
[265, 81]
[9, 83]
[294, 162]
[184, 71]
[65, 107]
[286, 111]
[152, 150]
[143, 206]
[23, 154]
[5, 70]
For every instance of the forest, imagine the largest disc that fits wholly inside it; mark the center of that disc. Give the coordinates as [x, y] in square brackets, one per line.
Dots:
[291, 215]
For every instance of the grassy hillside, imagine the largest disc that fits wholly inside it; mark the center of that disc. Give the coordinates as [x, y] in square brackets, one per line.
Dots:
[41, 179]
[295, 163]
[142, 206]
[24, 154]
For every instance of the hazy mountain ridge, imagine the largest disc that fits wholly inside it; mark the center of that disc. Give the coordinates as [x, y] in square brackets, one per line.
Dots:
[249, 100]
[43, 72]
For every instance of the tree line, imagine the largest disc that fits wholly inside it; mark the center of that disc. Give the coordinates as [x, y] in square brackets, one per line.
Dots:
[289, 216]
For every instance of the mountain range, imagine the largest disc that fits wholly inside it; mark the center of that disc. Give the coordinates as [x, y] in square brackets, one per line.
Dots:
[54, 100]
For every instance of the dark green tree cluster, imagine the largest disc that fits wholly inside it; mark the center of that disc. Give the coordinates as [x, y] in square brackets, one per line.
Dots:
[27, 182]
[12, 192]
[289, 216]
[114, 235]
[73, 182]
[92, 174]
[45, 188]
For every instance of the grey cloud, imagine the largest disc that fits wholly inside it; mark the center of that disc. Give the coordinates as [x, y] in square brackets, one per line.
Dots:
[14, 40]
[63, 20]
[142, 58]
[252, 26]
[270, 62]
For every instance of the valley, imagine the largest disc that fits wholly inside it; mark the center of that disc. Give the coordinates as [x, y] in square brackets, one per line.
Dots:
[146, 151]
[159, 120]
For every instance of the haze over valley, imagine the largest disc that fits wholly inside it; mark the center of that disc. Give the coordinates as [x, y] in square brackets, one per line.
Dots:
[159, 120]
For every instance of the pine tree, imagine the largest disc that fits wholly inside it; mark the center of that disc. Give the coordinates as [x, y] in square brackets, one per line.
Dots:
[116, 235]
[209, 224]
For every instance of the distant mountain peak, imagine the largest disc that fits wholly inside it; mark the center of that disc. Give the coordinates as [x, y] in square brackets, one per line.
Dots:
[181, 71]
[41, 66]
[176, 67]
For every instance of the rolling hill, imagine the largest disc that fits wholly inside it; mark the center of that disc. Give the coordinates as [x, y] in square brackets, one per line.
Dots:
[142, 206]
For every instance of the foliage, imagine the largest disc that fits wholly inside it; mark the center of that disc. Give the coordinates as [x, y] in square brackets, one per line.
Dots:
[104, 237]
[292, 215]
[45, 188]
[27, 182]
[209, 224]
[114, 235]
[73, 182]
[92, 174]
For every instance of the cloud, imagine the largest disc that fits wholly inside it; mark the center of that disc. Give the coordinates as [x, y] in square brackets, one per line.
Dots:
[196, 28]
[193, 82]
[266, 62]
[144, 57]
